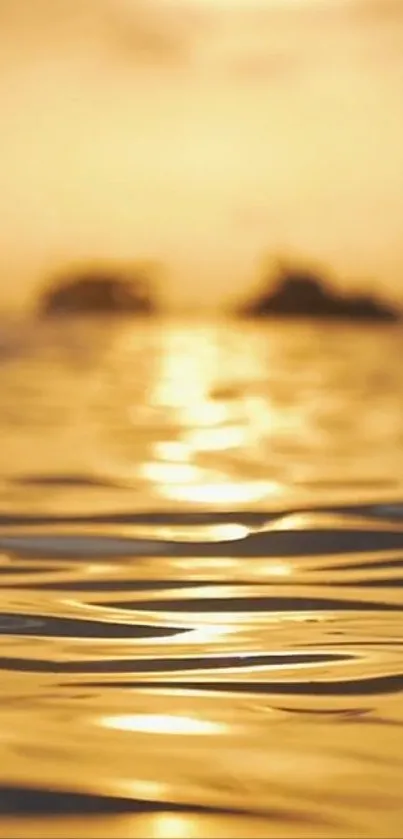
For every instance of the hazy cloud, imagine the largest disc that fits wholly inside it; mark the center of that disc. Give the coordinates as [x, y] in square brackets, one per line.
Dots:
[295, 40]
[377, 11]
[142, 31]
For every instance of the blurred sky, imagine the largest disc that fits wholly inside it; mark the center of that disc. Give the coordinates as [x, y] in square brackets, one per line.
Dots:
[205, 133]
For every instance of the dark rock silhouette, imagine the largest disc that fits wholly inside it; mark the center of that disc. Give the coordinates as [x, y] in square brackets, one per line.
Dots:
[299, 293]
[98, 293]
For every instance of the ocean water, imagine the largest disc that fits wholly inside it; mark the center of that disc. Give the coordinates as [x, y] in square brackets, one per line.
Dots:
[201, 569]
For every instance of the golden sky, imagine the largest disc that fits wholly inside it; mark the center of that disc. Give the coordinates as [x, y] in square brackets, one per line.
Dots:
[204, 133]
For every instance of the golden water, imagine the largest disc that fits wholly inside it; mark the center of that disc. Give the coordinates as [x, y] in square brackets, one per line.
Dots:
[201, 543]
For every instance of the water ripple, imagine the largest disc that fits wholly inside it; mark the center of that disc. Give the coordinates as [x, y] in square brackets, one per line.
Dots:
[201, 611]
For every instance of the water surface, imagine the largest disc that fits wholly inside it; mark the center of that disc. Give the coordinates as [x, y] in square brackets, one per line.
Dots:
[201, 536]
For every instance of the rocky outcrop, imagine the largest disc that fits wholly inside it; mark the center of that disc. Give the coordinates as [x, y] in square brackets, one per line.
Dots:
[96, 293]
[304, 294]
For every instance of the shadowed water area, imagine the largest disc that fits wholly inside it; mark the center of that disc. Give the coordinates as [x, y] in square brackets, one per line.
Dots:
[201, 570]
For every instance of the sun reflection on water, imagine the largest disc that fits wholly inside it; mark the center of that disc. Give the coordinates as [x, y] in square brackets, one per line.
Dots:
[205, 420]
[220, 494]
[162, 724]
[173, 826]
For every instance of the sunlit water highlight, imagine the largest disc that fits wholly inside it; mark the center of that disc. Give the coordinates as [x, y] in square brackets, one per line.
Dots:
[201, 553]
